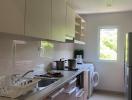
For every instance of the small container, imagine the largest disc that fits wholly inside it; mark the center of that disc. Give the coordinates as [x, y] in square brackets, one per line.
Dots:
[60, 65]
[71, 64]
[79, 59]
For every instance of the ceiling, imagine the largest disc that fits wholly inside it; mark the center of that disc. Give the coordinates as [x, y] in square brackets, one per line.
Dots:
[101, 6]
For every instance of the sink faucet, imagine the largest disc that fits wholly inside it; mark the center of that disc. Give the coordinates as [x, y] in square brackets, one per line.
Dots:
[24, 75]
[27, 73]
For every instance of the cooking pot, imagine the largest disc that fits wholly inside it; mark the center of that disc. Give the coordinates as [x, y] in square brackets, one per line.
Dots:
[71, 64]
[60, 64]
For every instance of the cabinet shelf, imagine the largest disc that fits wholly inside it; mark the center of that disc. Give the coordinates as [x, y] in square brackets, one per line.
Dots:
[77, 24]
[82, 20]
[76, 32]
[82, 27]
[82, 35]
[79, 28]
[79, 42]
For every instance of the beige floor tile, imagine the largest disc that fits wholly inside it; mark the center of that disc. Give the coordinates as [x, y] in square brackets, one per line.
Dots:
[106, 96]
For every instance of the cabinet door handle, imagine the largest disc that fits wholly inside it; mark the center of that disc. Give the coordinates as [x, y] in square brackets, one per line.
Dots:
[81, 94]
[56, 94]
[73, 81]
[71, 91]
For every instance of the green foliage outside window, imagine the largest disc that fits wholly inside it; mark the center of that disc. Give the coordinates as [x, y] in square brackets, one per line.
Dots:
[108, 44]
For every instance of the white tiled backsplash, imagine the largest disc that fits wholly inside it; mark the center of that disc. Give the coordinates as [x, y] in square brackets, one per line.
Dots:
[23, 56]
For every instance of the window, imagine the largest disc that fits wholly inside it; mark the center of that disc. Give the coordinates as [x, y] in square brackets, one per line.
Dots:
[108, 43]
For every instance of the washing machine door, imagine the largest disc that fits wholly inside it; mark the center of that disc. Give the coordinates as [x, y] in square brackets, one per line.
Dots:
[95, 79]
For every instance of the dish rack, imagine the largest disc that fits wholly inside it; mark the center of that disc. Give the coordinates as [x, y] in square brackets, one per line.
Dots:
[9, 87]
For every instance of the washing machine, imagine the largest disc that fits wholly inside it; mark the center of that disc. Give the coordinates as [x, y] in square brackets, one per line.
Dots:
[93, 77]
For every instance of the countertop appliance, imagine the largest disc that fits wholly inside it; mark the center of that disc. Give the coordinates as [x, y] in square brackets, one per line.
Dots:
[60, 64]
[79, 55]
[128, 66]
[71, 64]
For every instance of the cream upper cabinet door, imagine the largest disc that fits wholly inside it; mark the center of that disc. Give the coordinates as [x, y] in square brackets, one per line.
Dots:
[69, 2]
[70, 22]
[58, 20]
[38, 18]
[12, 14]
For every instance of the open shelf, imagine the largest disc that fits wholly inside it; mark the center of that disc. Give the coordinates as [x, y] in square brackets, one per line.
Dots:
[77, 24]
[79, 29]
[79, 42]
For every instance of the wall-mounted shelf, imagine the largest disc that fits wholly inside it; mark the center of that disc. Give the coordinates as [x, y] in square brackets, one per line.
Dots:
[77, 24]
[79, 42]
[79, 17]
[77, 32]
[75, 41]
[82, 27]
[79, 29]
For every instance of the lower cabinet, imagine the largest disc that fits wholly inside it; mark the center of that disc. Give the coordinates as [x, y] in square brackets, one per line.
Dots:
[57, 95]
[85, 95]
[70, 94]
[68, 91]
[80, 94]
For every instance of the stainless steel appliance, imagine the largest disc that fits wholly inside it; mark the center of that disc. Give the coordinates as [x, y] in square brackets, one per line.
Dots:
[79, 55]
[71, 64]
[128, 66]
[60, 64]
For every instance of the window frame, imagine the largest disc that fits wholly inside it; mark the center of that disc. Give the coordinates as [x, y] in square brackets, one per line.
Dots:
[98, 42]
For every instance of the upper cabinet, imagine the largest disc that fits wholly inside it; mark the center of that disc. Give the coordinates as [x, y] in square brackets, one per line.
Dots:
[12, 14]
[70, 22]
[69, 2]
[38, 18]
[46, 19]
[58, 20]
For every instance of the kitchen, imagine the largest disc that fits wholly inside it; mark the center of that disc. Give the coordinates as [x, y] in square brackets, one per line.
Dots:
[27, 25]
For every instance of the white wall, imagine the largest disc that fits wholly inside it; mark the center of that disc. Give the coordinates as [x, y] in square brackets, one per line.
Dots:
[63, 50]
[24, 57]
[111, 73]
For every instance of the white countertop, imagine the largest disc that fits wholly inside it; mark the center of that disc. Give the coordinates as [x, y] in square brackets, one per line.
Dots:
[68, 75]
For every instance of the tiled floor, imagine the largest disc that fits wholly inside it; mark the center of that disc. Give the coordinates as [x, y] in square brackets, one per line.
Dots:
[106, 96]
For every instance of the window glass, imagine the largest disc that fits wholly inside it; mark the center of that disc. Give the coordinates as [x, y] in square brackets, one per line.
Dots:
[108, 44]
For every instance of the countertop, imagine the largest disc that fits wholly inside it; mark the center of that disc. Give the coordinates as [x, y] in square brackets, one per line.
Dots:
[40, 95]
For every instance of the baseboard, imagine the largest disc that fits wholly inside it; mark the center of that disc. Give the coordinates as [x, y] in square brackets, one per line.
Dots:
[109, 92]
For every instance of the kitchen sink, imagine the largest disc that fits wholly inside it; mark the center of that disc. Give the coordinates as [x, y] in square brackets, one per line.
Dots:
[43, 83]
